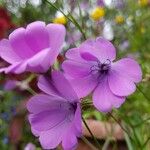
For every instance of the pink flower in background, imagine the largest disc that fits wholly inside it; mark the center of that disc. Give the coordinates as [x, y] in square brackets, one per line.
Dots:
[30, 146]
[90, 68]
[55, 116]
[33, 49]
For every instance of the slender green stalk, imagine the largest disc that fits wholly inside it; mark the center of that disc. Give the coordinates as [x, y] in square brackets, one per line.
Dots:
[121, 126]
[118, 123]
[55, 7]
[78, 26]
[136, 138]
[80, 12]
[98, 145]
[30, 78]
[71, 19]
[31, 91]
[88, 143]
[106, 144]
[143, 93]
[145, 143]
[145, 120]
[128, 142]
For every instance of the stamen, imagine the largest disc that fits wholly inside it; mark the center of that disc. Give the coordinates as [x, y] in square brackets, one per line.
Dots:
[100, 69]
[107, 62]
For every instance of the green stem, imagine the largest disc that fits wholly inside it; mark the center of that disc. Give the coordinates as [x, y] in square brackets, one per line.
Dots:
[145, 143]
[143, 93]
[28, 80]
[31, 91]
[106, 144]
[118, 123]
[71, 19]
[31, 77]
[98, 145]
[78, 26]
[121, 126]
[80, 12]
[143, 121]
[88, 143]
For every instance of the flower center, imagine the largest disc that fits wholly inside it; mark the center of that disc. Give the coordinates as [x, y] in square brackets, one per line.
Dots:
[73, 107]
[101, 69]
[71, 111]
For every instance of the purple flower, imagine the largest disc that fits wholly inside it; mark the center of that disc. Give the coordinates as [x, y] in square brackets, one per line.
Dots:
[100, 3]
[32, 49]
[90, 68]
[119, 4]
[124, 45]
[84, 4]
[55, 116]
[73, 37]
[10, 85]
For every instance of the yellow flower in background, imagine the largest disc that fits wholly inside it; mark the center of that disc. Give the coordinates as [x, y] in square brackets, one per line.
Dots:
[97, 13]
[143, 2]
[142, 29]
[60, 20]
[119, 19]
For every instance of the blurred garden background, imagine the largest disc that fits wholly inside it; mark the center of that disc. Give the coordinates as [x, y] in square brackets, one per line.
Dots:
[126, 23]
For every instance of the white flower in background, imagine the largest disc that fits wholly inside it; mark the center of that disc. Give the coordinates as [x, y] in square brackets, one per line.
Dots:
[108, 31]
[36, 2]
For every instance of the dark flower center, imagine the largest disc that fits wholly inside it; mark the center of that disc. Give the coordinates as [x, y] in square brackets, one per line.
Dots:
[69, 109]
[101, 69]
[73, 107]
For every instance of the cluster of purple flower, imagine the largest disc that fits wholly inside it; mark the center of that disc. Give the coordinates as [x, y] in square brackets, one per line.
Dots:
[55, 115]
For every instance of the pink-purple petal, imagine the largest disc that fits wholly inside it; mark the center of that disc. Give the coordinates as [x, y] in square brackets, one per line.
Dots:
[57, 34]
[46, 85]
[100, 49]
[103, 99]
[74, 54]
[7, 53]
[76, 69]
[17, 68]
[36, 33]
[18, 43]
[117, 101]
[129, 68]
[106, 49]
[69, 141]
[83, 86]
[63, 86]
[43, 102]
[88, 56]
[120, 85]
[41, 61]
[42, 121]
[88, 51]
[35, 132]
[77, 122]
[51, 139]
